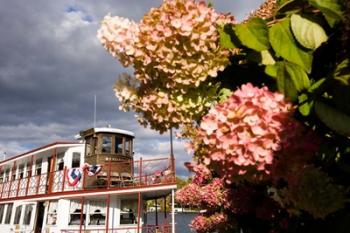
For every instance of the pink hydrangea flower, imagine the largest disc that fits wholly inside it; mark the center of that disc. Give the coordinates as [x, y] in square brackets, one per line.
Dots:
[246, 130]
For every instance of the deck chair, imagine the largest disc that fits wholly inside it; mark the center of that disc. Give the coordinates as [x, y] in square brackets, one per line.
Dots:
[115, 179]
[126, 179]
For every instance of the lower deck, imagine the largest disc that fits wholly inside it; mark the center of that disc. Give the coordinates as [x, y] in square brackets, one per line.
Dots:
[96, 212]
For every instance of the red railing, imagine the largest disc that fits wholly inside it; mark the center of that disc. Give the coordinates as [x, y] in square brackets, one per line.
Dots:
[144, 229]
[139, 173]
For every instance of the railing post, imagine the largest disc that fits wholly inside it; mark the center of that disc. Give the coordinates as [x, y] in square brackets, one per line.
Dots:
[81, 214]
[51, 171]
[38, 183]
[108, 204]
[172, 211]
[18, 184]
[64, 177]
[109, 174]
[139, 212]
[140, 171]
[29, 174]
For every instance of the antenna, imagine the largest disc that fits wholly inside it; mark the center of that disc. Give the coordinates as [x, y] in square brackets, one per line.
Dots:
[171, 142]
[95, 111]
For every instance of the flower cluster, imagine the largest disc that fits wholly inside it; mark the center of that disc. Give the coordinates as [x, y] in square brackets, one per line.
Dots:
[119, 35]
[203, 224]
[246, 130]
[212, 195]
[174, 48]
[189, 195]
[161, 108]
[266, 10]
[201, 173]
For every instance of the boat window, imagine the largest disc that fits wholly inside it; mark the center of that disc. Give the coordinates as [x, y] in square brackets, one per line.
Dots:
[52, 213]
[21, 171]
[29, 169]
[7, 175]
[17, 214]
[1, 176]
[28, 214]
[60, 162]
[2, 210]
[97, 213]
[8, 213]
[106, 144]
[13, 172]
[118, 145]
[90, 146]
[38, 164]
[76, 159]
[128, 211]
[128, 146]
[75, 211]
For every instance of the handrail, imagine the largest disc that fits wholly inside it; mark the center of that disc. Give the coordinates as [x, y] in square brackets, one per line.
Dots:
[142, 173]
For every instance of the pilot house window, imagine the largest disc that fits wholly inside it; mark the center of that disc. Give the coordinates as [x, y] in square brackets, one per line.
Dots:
[118, 145]
[106, 144]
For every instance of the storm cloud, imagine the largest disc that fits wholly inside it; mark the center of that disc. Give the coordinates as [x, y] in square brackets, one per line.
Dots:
[52, 65]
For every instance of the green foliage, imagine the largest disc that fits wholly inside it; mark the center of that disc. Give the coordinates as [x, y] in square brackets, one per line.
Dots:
[291, 79]
[330, 8]
[253, 34]
[342, 72]
[309, 34]
[333, 118]
[225, 38]
[284, 44]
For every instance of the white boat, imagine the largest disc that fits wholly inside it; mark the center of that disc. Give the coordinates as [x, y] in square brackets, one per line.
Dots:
[93, 185]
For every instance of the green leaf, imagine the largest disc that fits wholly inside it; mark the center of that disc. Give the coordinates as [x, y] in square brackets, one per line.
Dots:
[298, 75]
[309, 34]
[330, 8]
[271, 70]
[316, 85]
[342, 72]
[225, 38]
[305, 106]
[224, 93]
[291, 79]
[253, 34]
[284, 44]
[333, 118]
[266, 58]
[285, 84]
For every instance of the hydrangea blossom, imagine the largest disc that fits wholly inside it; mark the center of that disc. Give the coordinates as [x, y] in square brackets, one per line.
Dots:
[119, 35]
[211, 195]
[246, 130]
[175, 48]
[206, 224]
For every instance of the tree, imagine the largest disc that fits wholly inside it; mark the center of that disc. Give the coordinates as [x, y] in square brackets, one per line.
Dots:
[265, 102]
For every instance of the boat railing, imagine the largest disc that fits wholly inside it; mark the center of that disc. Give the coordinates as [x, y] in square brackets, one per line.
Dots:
[137, 173]
[166, 228]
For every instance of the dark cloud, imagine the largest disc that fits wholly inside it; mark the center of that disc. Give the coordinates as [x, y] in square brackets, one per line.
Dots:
[52, 65]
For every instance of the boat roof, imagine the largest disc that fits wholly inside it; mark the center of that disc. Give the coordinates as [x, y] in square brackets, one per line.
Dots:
[106, 130]
[40, 149]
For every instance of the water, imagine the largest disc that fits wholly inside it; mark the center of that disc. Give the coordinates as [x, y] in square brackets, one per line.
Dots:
[181, 220]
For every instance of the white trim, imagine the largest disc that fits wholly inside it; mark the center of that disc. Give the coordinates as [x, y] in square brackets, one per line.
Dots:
[113, 130]
[40, 151]
[125, 191]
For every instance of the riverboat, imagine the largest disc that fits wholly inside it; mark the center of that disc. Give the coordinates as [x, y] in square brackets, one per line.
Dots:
[93, 185]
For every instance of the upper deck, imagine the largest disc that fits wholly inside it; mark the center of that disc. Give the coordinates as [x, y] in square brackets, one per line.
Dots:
[46, 172]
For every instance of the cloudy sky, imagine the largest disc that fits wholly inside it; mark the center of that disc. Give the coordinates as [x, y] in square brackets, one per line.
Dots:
[51, 65]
